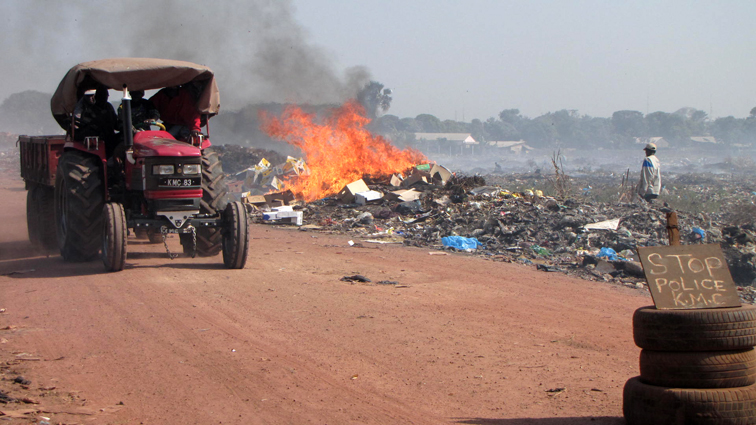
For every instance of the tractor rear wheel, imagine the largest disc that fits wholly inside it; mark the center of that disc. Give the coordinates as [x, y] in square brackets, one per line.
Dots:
[114, 237]
[214, 201]
[235, 236]
[79, 199]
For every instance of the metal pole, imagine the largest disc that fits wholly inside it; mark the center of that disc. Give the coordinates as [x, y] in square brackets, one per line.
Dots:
[127, 133]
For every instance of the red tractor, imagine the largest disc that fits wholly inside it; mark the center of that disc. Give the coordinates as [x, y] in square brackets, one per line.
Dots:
[84, 196]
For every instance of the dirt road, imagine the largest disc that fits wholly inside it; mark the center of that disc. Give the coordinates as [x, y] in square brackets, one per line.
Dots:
[457, 340]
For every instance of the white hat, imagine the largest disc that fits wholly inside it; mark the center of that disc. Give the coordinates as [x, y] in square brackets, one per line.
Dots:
[650, 147]
[90, 92]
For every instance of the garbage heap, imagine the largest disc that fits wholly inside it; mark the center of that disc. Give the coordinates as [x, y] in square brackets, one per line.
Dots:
[591, 240]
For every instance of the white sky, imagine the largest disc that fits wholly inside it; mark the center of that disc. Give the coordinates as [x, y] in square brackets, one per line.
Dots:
[474, 58]
[453, 59]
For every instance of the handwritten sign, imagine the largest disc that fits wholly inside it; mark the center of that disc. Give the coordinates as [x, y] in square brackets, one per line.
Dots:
[688, 276]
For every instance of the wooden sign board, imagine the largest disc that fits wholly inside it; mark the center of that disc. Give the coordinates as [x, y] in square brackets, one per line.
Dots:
[688, 276]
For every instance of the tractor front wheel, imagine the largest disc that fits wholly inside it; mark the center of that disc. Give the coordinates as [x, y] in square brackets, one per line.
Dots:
[235, 236]
[114, 237]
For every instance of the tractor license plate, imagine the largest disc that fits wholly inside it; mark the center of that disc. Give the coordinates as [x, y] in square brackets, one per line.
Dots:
[169, 182]
[182, 230]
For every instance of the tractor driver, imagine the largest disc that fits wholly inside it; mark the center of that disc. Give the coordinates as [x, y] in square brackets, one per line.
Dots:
[143, 112]
[94, 116]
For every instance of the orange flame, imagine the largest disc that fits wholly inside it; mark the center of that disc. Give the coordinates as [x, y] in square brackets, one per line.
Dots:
[339, 151]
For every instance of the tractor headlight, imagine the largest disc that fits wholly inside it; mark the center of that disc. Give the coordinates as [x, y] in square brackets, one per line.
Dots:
[162, 170]
[192, 168]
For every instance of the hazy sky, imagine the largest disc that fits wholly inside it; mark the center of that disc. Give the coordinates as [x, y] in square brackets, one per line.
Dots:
[478, 57]
[453, 59]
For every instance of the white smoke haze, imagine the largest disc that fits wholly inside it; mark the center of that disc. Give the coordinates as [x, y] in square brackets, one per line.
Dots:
[257, 49]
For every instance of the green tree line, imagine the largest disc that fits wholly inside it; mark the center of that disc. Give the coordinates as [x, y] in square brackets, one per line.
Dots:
[571, 129]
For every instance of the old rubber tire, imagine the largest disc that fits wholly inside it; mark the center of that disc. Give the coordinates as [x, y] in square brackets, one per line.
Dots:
[652, 405]
[79, 199]
[214, 201]
[40, 219]
[114, 233]
[714, 329]
[235, 236]
[698, 369]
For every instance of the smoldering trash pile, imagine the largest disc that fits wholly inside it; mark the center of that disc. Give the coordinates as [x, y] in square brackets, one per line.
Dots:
[435, 209]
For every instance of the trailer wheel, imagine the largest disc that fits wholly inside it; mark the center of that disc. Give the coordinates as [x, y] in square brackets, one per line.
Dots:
[155, 236]
[214, 201]
[79, 199]
[114, 237]
[695, 330]
[32, 217]
[40, 219]
[235, 236]
[698, 369]
[651, 405]
[140, 233]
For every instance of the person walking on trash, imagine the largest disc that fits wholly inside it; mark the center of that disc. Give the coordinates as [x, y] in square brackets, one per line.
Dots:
[649, 186]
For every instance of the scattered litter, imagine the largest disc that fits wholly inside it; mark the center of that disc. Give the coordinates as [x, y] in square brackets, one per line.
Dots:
[21, 380]
[604, 225]
[460, 242]
[387, 282]
[355, 278]
[17, 272]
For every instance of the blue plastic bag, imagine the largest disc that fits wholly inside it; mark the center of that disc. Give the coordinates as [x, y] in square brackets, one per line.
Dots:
[700, 232]
[460, 242]
[609, 253]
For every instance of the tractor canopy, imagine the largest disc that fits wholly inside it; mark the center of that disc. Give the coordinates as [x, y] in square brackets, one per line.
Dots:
[136, 74]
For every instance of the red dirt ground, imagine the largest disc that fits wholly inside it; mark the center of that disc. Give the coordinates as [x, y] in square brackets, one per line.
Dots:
[458, 340]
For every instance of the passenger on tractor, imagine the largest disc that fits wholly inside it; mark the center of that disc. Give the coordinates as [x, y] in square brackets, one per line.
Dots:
[94, 116]
[143, 112]
[178, 109]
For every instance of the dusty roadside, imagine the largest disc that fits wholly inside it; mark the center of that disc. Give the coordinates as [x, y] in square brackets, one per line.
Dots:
[456, 339]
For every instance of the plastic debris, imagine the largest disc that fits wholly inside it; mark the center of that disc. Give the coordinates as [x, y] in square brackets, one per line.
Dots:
[460, 242]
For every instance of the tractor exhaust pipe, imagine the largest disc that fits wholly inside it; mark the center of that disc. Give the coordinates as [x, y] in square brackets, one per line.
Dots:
[126, 103]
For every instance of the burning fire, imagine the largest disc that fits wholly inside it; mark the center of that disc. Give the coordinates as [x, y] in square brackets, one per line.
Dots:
[339, 151]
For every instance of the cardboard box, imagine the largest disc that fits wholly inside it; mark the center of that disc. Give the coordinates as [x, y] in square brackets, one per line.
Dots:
[440, 174]
[405, 195]
[363, 198]
[279, 198]
[349, 191]
[416, 177]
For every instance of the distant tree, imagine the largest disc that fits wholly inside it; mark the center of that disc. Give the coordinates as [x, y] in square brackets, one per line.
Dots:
[728, 130]
[28, 112]
[478, 131]
[511, 116]
[451, 126]
[628, 124]
[386, 124]
[540, 132]
[410, 125]
[375, 99]
[429, 123]
[753, 112]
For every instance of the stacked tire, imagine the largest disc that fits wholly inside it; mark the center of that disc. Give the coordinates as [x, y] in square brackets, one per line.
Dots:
[696, 367]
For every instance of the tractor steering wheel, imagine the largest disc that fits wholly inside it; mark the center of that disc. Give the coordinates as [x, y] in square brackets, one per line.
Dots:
[158, 125]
